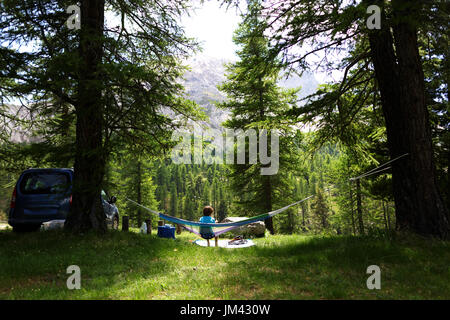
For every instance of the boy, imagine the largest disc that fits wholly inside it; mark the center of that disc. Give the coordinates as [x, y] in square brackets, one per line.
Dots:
[207, 232]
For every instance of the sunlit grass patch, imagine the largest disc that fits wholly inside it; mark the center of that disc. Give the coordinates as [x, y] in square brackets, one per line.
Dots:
[122, 265]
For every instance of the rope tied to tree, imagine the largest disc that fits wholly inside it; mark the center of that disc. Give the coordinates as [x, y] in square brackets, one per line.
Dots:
[378, 169]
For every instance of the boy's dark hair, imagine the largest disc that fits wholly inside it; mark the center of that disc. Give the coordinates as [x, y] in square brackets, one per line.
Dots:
[208, 210]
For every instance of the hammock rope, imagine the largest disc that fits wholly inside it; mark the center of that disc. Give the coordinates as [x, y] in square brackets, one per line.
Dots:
[218, 228]
[375, 170]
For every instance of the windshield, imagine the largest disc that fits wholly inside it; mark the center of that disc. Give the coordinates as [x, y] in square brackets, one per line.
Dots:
[44, 183]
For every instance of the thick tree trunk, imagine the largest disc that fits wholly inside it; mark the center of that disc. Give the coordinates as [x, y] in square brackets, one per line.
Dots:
[418, 204]
[86, 212]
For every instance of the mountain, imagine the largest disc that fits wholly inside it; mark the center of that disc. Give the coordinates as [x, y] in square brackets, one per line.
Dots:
[201, 86]
[12, 129]
[208, 72]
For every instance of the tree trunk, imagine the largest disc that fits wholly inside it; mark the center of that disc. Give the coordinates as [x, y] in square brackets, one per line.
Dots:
[86, 211]
[303, 217]
[384, 216]
[139, 196]
[388, 216]
[351, 208]
[268, 204]
[418, 204]
[359, 207]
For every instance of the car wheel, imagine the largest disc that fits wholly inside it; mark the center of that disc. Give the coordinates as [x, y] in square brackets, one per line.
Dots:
[115, 223]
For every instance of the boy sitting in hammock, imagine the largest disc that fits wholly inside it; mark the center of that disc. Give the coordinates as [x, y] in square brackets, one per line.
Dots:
[207, 232]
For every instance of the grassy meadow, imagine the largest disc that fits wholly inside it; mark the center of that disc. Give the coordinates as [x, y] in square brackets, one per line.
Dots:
[122, 265]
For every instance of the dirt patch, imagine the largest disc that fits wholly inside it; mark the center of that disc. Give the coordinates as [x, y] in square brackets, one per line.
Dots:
[31, 282]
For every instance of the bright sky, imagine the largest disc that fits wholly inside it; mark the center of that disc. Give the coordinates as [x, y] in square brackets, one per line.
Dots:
[213, 26]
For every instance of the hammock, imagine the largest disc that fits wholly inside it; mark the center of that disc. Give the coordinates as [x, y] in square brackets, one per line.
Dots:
[211, 230]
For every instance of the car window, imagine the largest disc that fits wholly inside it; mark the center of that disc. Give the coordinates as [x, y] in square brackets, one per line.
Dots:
[44, 183]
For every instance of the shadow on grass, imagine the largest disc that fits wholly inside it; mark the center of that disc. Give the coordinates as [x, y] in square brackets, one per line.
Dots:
[121, 265]
[109, 263]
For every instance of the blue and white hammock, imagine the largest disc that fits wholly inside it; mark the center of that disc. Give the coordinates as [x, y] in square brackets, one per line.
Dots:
[211, 230]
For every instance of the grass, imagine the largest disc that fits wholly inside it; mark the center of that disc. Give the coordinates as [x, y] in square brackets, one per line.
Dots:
[130, 265]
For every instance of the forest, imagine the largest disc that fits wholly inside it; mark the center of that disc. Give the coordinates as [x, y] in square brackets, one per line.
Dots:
[105, 100]
[341, 153]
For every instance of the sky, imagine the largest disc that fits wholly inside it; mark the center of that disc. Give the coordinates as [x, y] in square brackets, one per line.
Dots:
[213, 26]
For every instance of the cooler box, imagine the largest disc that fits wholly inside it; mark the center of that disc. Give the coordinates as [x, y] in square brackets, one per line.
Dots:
[166, 231]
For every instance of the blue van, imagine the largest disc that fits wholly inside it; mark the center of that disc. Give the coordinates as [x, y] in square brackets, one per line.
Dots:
[41, 195]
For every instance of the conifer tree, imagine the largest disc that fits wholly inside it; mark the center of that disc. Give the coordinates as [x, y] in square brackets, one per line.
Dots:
[173, 201]
[392, 55]
[110, 82]
[320, 210]
[253, 97]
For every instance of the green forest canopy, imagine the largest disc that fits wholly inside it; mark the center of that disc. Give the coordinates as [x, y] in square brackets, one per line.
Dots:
[123, 133]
